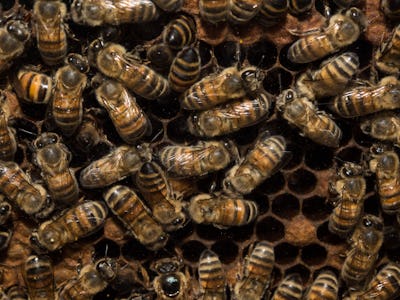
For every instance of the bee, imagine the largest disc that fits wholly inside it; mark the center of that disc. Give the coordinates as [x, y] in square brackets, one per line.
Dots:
[219, 88]
[302, 113]
[156, 190]
[364, 100]
[50, 30]
[242, 11]
[160, 56]
[214, 11]
[391, 9]
[5, 237]
[115, 166]
[300, 7]
[67, 106]
[77, 222]
[261, 162]
[180, 32]
[128, 118]
[17, 187]
[185, 69]
[388, 55]
[127, 206]
[89, 134]
[366, 241]
[385, 164]
[211, 277]
[256, 273]
[117, 12]
[169, 5]
[385, 127]
[5, 211]
[272, 12]
[113, 61]
[17, 293]
[222, 211]
[39, 277]
[332, 77]
[350, 188]
[170, 283]
[13, 36]
[53, 158]
[325, 286]
[343, 29]
[290, 288]
[92, 279]
[199, 159]
[8, 143]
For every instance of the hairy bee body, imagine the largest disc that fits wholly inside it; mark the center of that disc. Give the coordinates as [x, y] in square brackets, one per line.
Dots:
[51, 36]
[391, 9]
[180, 32]
[242, 11]
[33, 87]
[17, 293]
[127, 206]
[214, 11]
[290, 288]
[343, 29]
[385, 127]
[5, 238]
[325, 286]
[77, 222]
[185, 69]
[300, 7]
[211, 277]
[5, 211]
[8, 143]
[259, 164]
[39, 277]
[89, 134]
[161, 57]
[169, 5]
[272, 12]
[387, 57]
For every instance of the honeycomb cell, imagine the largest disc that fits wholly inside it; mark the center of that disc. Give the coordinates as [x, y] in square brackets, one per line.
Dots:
[302, 270]
[245, 136]
[209, 232]
[364, 49]
[177, 131]
[352, 154]
[285, 253]
[261, 199]
[133, 250]
[106, 248]
[319, 158]
[313, 254]
[192, 250]
[262, 54]
[315, 208]
[242, 233]
[372, 205]
[295, 156]
[285, 206]
[347, 130]
[362, 139]
[166, 109]
[302, 181]
[108, 293]
[324, 235]
[286, 63]
[227, 250]
[270, 229]
[205, 51]
[277, 80]
[273, 184]
[229, 53]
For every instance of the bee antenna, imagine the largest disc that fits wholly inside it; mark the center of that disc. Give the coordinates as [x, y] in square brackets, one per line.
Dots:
[157, 135]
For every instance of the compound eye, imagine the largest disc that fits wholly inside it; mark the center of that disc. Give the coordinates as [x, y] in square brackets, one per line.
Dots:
[18, 31]
[170, 285]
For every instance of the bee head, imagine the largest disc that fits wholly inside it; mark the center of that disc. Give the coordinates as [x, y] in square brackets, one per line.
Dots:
[19, 30]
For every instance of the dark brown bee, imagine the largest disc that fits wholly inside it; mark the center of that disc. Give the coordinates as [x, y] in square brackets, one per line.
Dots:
[5, 237]
[180, 32]
[89, 134]
[127, 206]
[385, 127]
[8, 143]
[169, 5]
[17, 293]
[290, 288]
[387, 57]
[242, 11]
[325, 286]
[391, 9]
[211, 276]
[5, 211]
[214, 11]
[161, 56]
[49, 25]
[39, 277]
[300, 7]
[272, 12]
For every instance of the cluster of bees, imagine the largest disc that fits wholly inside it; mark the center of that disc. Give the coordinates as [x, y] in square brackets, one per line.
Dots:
[214, 106]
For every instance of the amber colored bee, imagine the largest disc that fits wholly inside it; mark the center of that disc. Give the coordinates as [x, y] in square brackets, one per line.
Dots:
[89, 134]
[222, 211]
[272, 12]
[50, 30]
[113, 61]
[39, 277]
[385, 127]
[219, 88]
[256, 273]
[242, 11]
[17, 187]
[387, 57]
[115, 166]
[260, 163]
[290, 288]
[185, 69]
[325, 286]
[5, 237]
[366, 241]
[53, 158]
[156, 190]
[17, 293]
[5, 211]
[350, 188]
[8, 143]
[77, 222]
[199, 159]
[117, 12]
[302, 113]
[214, 11]
[343, 29]
[169, 5]
[300, 7]
[180, 32]
[211, 277]
[67, 106]
[391, 9]
[231, 117]
[127, 206]
[161, 56]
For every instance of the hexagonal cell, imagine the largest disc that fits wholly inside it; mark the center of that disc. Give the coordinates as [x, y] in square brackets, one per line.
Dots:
[227, 250]
[372, 205]
[191, 250]
[319, 157]
[313, 254]
[315, 208]
[364, 49]
[106, 248]
[262, 54]
[302, 181]
[245, 136]
[285, 206]
[302, 270]
[166, 109]
[261, 199]
[177, 131]
[277, 80]
[285, 253]
[205, 52]
[209, 232]
[273, 184]
[352, 154]
[242, 233]
[133, 250]
[324, 235]
[229, 53]
[295, 156]
[270, 229]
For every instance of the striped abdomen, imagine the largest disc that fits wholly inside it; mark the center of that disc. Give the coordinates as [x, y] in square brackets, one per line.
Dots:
[169, 5]
[388, 56]
[325, 286]
[291, 288]
[298, 7]
[345, 216]
[242, 11]
[310, 48]
[179, 33]
[185, 69]
[357, 265]
[35, 87]
[131, 12]
[39, 277]
[272, 12]
[211, 276]
[8, 144]
[214, 11]
[388, 181]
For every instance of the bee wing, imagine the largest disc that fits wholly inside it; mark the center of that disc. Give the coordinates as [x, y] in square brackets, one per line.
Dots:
[300, 33]
[385, 284]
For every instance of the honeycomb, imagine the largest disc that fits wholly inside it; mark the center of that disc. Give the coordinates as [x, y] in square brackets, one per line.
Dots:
[293, 202]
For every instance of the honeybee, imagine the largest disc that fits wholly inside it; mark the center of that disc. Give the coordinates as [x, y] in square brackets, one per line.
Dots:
[260, 163]
[50, 31]
[222, 211]
[169, 5]
[219, 88]
[350, 188]
[256, 273]
[156, 190]
[290, 288]
[77, 222]
[387, 57]
[211, 277]
[127, 206]
[5, 237]
[89, 134]
[39, 277]
[242, 11]
[5, 211]
[185, 69]
[385, 127]
[117, 12]
[300, 7]
[325, 286]
[343, 29]
[161, 56]
[302, 113]
[272, 12]
[199, 159]
[231, 117]
[180, 32]
[391, 9]
[70, 81]
[8, 143]
[128, 118]
[17, 293]
[113, 61]
[332, 77]
[53, 158]
[92, 279]
[366, 241]
[214, 11]
[13, 36]
[17, 187]
[115, 166]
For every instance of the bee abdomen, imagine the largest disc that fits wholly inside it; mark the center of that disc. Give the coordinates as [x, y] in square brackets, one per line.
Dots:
[36, 87]
[185, 69]
[242, 11]
[214, 11]
[272, 12]
[179, 32]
